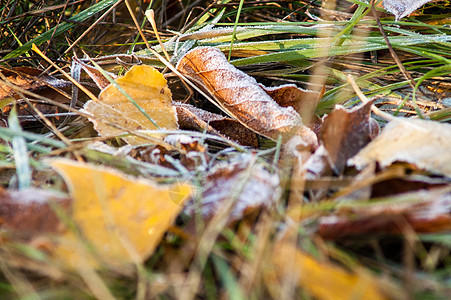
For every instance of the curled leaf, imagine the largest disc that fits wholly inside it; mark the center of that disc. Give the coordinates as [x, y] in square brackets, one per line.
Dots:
[190, 117]
[423, 143]
[238, 93]
[423, 211]
[346, 131]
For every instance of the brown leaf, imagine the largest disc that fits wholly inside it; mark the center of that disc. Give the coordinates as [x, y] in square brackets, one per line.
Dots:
[346, 131]
[29, 79]
[424, 211]
[156, 154]
[29, 212]
[34, 80]
[423, 143]
[290, 95]
[193, 118]
[238, 94]
[97, 76]
[248, 184]
[401, 8]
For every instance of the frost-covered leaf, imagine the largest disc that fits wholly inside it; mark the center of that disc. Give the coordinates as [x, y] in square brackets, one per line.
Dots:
[423, 143]
[28, 212]
[423, 211]
[121, 217]
[238, 93]
[401, 8]
[248, 184]
[148, 88]
[346, 131]
[193, 118]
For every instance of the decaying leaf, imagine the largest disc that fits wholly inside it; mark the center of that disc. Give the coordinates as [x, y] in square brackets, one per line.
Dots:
[401, 8]
[323, 280]
[238, 93]
[28, 213]
[28, 79]
[122, 218]
[248, 184]
[345, 131]
[149, 89]
[423, 211]
[423, 143]
[193, 118]
[193, 157]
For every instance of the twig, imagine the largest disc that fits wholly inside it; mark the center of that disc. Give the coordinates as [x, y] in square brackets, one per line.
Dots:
[364, 99]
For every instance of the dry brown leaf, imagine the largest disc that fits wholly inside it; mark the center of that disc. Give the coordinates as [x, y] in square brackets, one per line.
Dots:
[249, 185]
[424, 211]
[97, 76]
[423, 143]
[402, 8]
[149, 89]
[193, 118]
[191, 159]
[323, 280]
[29, 79]
[29, 213]
[345, 131]
[238, 93]
[290, 95]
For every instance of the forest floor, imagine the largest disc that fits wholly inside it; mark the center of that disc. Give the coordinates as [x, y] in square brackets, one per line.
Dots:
[225, 149]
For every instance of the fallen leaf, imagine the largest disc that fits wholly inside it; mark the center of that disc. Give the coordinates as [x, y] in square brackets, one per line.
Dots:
[28, 212]
[29, 79]
[424, 211]
[148, 88]
[193, 118]
[423, 143]
[345, 131]
[238, 93]
[123, 218]
[97, 76]
[323, 280]
[248, 184]
[290, 95]
[402, 8]
[192, 158]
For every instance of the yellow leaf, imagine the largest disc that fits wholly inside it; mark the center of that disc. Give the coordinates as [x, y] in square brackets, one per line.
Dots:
[149, 89]
[122, 218]
[323, 280]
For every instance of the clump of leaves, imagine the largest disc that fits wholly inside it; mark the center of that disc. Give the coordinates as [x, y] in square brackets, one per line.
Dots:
[216, 162]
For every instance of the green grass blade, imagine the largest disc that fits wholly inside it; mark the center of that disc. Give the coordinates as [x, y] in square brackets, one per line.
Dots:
[61, 28]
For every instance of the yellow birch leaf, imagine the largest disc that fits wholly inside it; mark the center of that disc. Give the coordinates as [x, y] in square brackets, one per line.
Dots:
[323, 280]
[149, 89]
[121, 217]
